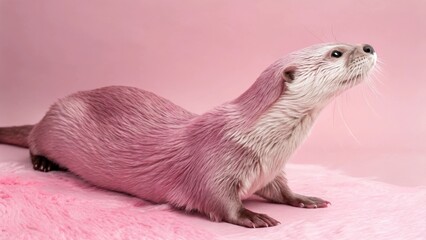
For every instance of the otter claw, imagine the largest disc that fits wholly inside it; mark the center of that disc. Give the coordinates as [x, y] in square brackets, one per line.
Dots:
[308, 202]
[251, 219]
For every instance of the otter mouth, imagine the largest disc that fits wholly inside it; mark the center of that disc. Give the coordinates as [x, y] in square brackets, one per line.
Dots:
[352, 80]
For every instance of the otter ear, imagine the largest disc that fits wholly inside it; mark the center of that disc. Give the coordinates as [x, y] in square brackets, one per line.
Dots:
[289, 74]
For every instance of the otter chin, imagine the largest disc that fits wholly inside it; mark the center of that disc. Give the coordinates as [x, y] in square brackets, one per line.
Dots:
[133, 141]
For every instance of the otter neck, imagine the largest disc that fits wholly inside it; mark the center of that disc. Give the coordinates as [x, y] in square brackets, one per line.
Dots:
[279, 131]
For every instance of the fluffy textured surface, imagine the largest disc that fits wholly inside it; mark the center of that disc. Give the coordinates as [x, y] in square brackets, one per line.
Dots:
[57, 205]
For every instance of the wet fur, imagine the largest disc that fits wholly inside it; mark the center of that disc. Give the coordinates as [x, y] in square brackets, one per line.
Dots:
[133, 141]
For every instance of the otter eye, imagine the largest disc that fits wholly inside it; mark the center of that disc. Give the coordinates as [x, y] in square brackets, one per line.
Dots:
[336, 54]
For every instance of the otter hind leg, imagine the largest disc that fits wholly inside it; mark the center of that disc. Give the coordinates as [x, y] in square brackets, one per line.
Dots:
[41, 163]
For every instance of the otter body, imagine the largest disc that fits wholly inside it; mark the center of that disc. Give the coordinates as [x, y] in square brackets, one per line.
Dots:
[133, 141]
[120, 138]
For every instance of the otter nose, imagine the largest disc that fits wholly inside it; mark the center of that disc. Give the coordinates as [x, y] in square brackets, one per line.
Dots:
[367, 48]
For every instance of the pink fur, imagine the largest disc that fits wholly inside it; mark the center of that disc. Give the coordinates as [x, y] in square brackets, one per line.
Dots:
[133, 141]
[58, 205]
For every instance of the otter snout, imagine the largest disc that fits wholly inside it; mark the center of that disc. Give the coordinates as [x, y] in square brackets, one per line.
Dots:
[362, 49]
[359, 52]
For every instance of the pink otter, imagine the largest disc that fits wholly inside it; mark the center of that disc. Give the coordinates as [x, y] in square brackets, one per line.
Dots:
[133, 141]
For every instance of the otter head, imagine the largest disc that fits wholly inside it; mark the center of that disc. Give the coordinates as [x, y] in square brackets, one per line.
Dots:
[306, 79]
[322, 71]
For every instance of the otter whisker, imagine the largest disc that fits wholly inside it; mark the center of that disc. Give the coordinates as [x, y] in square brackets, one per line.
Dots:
[365, 97]
[373, 88]
[347, 126]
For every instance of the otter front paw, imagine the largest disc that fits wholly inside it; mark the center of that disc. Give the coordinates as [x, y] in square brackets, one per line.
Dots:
[251, 219]
[307, 202]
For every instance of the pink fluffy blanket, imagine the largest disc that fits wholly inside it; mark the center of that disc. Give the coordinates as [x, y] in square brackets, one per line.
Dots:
[58, 205]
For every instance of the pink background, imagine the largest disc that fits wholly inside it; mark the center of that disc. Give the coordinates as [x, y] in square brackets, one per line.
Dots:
[202, 53]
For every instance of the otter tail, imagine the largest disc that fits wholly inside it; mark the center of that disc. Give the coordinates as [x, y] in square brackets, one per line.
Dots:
[17, 136]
